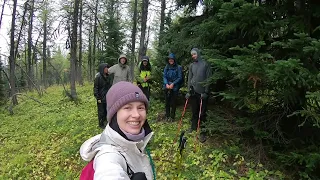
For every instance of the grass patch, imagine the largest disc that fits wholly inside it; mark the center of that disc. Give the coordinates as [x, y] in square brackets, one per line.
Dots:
[43, 141]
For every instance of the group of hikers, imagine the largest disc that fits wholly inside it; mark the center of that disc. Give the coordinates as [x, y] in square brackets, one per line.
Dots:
[120, 151]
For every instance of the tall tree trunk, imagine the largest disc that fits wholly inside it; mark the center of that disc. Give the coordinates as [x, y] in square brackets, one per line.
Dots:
[95, 37]
[133, 37]
[147, 40]
[90, 54]
[142, 48]
[20, 32]
[44, 47]
[79, 74]
[4, 2]
[73, 54]
[30, 64]
[12, 56]
[162, 19]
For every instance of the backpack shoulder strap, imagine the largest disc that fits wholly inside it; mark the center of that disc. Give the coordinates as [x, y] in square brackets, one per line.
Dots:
[129, 170]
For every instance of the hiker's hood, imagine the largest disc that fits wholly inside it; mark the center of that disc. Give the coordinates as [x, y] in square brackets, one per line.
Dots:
[172, 56]
[145, 58]
[102, 66]
[122, 56]
[198, 53]
[109, 138]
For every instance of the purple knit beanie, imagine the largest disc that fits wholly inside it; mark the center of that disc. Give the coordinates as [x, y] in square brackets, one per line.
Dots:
[121, 94]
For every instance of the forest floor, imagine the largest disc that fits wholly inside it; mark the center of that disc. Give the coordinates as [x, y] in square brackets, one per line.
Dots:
[42, 141]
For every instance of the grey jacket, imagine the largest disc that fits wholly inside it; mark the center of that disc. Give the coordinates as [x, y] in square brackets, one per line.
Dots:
[199, 72]
[121, 71]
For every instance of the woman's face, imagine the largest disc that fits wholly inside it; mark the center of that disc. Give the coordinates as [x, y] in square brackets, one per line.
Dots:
[171, 61]
[131, 117]
[145, 63]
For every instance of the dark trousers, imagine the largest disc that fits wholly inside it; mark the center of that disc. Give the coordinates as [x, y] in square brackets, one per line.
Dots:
[195, 106]
[102, 114]
[171, 103]
[146, 91]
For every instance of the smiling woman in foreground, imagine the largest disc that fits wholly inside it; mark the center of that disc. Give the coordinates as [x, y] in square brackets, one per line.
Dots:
[120, 151]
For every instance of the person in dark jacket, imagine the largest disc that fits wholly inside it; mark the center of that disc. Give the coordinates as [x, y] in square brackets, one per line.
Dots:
[172, 79]
[199, 72]
[102, 84]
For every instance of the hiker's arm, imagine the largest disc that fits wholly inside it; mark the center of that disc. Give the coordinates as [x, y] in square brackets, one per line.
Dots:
[165, 80]
[190, 75]
[129, 77]
[96, 88]
[137, 75]
[179, 79]
[112, 69]
[110, 166]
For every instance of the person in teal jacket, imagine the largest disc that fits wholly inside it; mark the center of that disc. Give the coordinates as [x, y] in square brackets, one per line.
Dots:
[172, 80]
[144, 76]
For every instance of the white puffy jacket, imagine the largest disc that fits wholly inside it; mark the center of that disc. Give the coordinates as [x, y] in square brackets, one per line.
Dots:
[108, 163]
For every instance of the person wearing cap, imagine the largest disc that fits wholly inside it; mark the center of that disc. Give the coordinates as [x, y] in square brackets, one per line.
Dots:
[143, 77]
[172, 79]
[121, 71]
[121, 148]
[102, 84]
[198, 89]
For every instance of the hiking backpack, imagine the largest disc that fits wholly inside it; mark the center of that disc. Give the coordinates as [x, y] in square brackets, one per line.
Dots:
[87, 172]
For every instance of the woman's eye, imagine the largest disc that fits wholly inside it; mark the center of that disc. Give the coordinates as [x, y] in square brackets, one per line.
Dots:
[127, 107]
[141, 108]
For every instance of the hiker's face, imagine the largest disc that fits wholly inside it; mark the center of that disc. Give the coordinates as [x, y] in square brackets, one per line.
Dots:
[105, 70]
[123, 60]
[194, 56]
[131, 117]
[171, 61]
[145, 63]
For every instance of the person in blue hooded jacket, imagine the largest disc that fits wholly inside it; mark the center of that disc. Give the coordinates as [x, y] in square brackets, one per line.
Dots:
[172, 79]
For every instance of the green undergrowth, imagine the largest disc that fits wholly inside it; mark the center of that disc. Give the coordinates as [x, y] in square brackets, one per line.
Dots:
[42, 141]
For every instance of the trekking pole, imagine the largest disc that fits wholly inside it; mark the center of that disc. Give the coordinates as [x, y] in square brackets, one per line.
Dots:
[198, 128]
[182, 146]
[180, 122]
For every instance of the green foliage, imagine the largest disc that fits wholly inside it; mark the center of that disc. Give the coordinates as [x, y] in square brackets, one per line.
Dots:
[268, 59]
[112, 34]
[43, 141]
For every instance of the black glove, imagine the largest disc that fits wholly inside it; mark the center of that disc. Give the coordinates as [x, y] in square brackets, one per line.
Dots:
[204, 95]
[139, 176]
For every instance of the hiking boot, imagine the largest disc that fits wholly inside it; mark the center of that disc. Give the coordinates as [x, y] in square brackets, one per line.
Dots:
[202, 138]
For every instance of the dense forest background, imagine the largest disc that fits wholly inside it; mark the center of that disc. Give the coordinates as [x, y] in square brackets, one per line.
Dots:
[265, 56]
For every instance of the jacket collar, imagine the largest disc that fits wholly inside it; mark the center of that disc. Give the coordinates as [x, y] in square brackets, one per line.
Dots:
[110, 136]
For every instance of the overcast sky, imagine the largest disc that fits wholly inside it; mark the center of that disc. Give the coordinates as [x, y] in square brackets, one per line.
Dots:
[6, 24]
